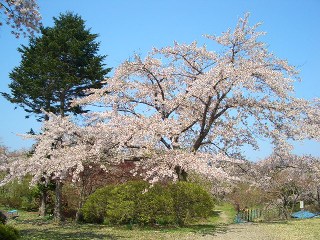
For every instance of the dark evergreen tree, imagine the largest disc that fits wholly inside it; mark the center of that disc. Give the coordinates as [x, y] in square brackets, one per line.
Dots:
[57, 67]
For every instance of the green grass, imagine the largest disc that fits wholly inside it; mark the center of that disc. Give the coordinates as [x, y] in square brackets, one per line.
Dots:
[217, 227]
[224, 213]
[33, 227]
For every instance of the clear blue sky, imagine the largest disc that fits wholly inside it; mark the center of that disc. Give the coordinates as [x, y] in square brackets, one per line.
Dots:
[126, 26]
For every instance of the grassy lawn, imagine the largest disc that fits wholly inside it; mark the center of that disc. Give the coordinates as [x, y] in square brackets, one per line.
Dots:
[33, 227]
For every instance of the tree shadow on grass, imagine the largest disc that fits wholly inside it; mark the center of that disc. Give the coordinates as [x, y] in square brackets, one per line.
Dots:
[216, 213]
[37, 222]
[34, 233]
[203, 229]
[43, 229]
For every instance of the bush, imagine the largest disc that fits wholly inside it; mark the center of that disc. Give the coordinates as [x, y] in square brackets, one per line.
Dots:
[137, 203]
[246, 196]
[123, 203]
[19, 195]
[8, 232]
[3, 218]
[95, 208]
[156, 207]
[191, 202]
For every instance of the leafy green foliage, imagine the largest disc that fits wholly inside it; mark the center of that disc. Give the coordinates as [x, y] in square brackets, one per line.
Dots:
[190, 202]
[155, 207]
[95, 208]
[70, 200]
[137, 203]
[56, 67]
[19, 195]
[123, 203]
[8, 232]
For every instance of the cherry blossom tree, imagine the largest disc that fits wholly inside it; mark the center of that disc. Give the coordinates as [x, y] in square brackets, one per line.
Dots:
[66, 150]
[289, 178]
[182, 109]
[183, 104]
[21, 15]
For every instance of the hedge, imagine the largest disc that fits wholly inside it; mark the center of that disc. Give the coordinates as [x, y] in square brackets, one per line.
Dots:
[138, 203]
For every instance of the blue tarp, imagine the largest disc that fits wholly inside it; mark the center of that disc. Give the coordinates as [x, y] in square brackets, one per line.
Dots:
[303, 214]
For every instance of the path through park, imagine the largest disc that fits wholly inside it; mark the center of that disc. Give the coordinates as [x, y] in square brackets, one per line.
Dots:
[304, 229]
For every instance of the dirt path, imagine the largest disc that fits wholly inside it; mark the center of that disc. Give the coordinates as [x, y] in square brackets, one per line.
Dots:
[244, 231]
[224, 217]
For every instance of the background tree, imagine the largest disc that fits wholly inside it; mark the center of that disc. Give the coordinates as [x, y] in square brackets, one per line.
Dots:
[287, 179]
[56, 67]
[22, 16]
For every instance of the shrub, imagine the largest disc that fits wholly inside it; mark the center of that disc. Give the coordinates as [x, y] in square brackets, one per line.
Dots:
[124, 201]
[137, 203]
[8, 232]
[94, 209]
[191, 202]
[156, 207]
[19, 195]
[3, 218]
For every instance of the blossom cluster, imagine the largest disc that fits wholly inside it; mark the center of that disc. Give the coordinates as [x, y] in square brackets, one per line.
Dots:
[22, 16]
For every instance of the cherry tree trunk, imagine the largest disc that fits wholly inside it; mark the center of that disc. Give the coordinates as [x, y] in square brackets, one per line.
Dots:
[58, 202]
[78, 213]
[43, 203]
[181, 173]
[318, 196]
[80, 203]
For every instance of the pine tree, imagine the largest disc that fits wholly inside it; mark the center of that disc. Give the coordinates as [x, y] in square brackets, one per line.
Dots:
[56, 67]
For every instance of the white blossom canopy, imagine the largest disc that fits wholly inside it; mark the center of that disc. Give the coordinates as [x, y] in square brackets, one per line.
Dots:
[183, 107]
[188, 97]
